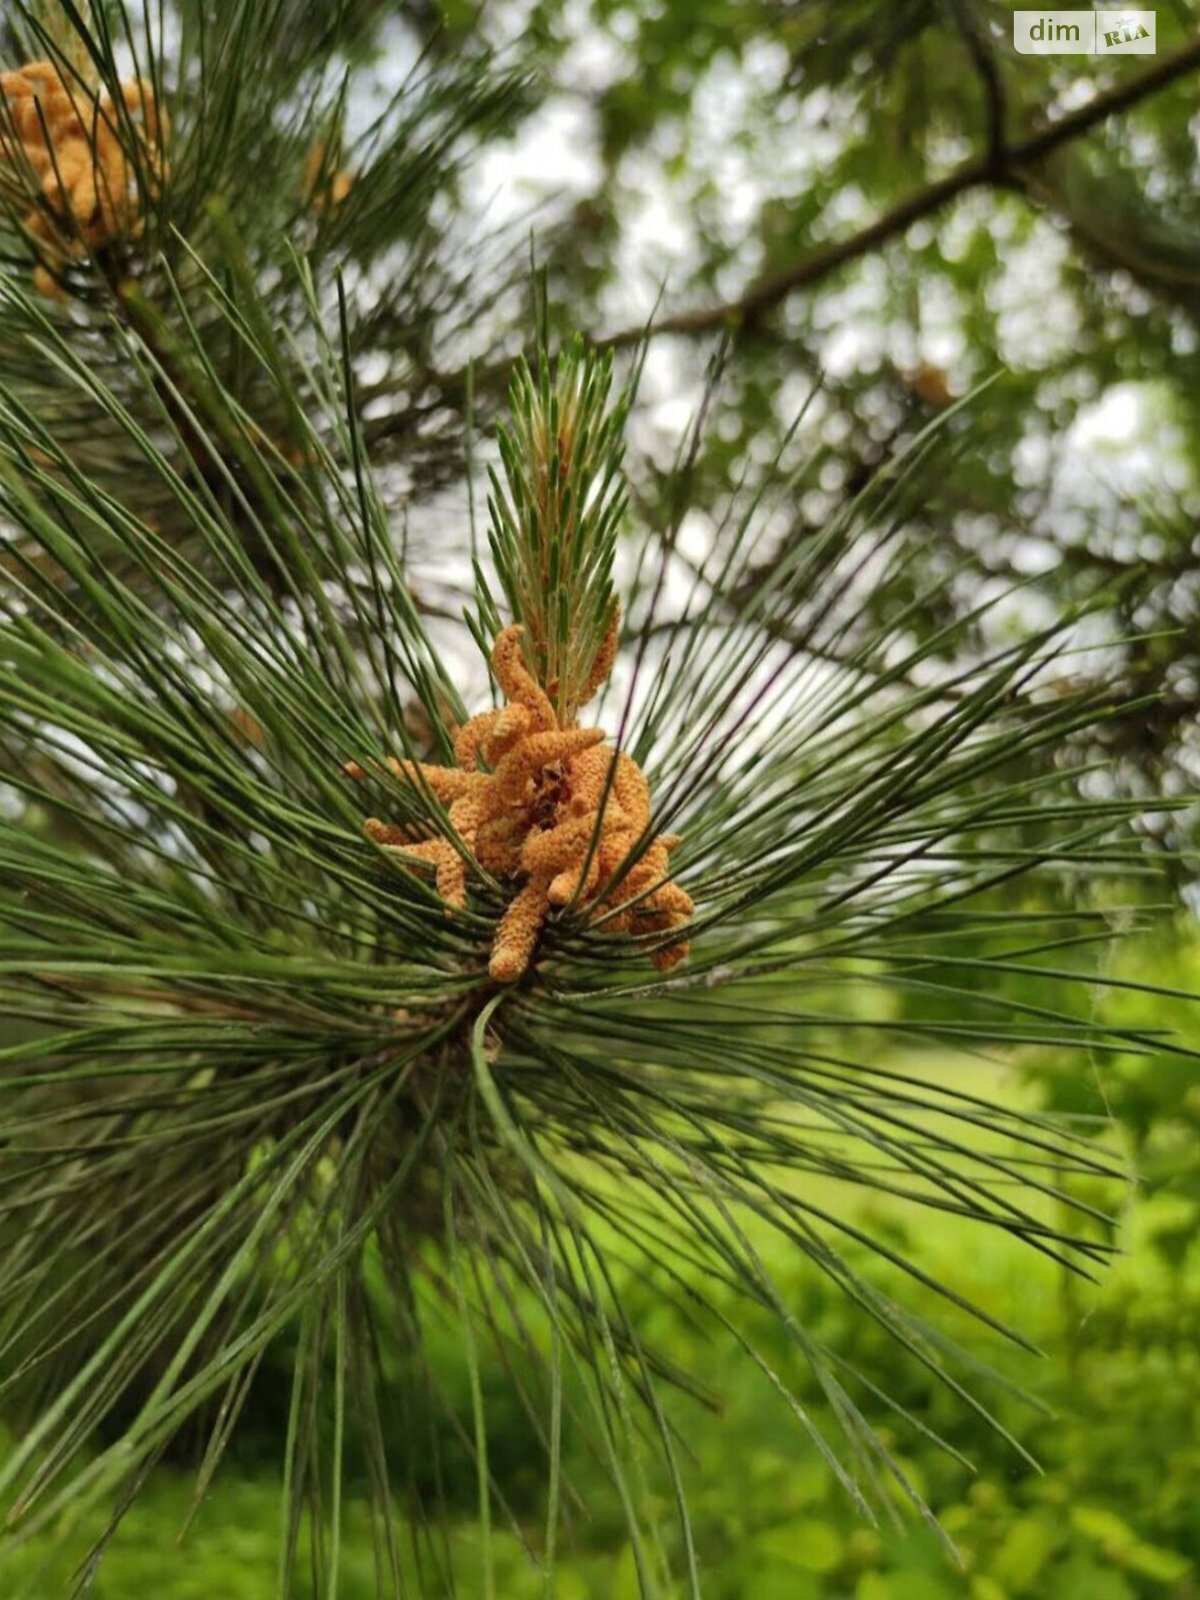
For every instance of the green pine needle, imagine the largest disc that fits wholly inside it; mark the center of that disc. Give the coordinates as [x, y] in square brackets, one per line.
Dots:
[556, 516]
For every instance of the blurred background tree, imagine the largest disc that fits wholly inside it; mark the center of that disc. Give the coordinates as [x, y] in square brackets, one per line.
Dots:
[889, 201]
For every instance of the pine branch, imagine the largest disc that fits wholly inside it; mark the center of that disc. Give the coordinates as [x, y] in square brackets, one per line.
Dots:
[275, 1080]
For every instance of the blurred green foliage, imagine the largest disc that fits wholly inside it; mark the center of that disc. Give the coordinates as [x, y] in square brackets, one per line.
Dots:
[735, 143]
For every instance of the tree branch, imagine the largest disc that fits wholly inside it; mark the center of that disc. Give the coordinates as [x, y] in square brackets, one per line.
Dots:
[740, 315]
[983, 57]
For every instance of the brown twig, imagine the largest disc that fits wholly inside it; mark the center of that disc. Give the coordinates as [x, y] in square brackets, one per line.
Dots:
[740, 315]
[983, 58]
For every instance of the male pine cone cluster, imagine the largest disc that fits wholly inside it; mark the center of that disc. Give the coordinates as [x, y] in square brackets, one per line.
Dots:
[79, 160]
[555, 809]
